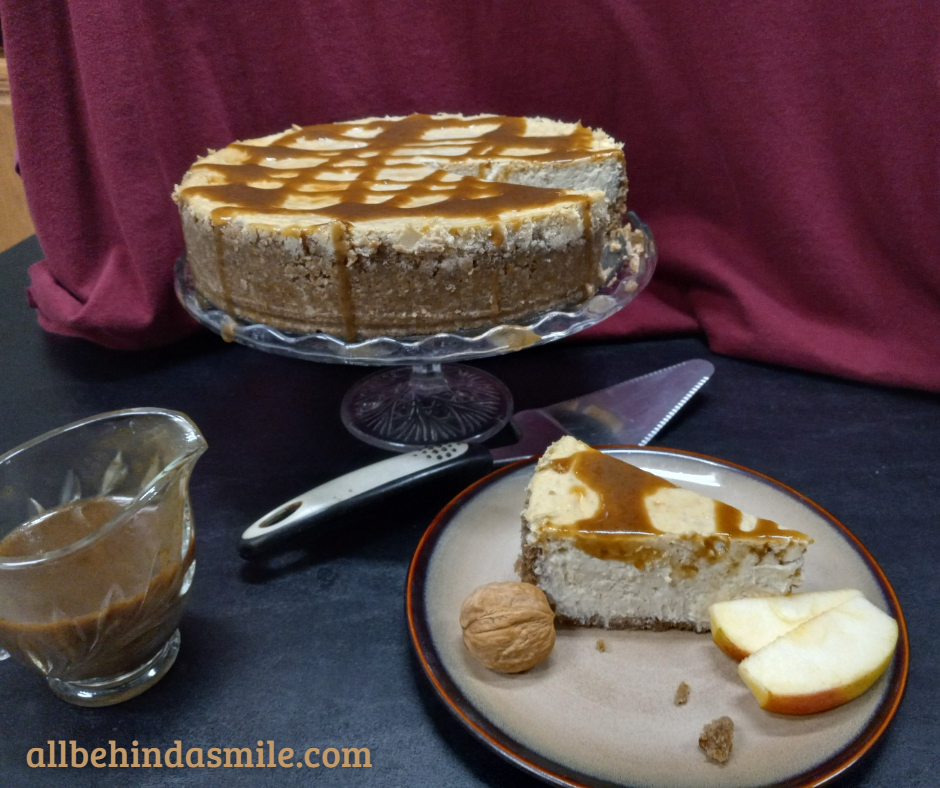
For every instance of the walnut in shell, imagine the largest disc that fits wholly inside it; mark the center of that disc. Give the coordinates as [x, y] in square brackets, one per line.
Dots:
[509, 627]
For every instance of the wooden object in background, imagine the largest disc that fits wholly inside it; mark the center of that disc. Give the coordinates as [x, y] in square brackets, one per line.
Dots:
[15, 221]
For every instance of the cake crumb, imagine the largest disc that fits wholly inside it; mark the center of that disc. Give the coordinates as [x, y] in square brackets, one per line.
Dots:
[600, 645]
[682, 694]
[717, 738]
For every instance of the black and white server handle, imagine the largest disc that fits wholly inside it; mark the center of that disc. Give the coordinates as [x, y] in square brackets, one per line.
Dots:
[357, 489]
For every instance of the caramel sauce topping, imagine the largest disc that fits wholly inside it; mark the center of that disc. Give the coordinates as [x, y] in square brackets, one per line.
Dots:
[389, 168]
[617, 528]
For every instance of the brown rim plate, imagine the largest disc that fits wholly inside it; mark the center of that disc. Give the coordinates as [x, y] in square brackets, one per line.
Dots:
[602, 717]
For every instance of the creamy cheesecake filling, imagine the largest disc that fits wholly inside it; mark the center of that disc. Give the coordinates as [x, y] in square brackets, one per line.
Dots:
[672, 589]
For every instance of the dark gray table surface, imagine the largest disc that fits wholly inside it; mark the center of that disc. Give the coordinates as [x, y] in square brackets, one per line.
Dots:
[312, 649]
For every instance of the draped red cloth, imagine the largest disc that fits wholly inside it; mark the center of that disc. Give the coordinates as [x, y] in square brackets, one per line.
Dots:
[785, 155]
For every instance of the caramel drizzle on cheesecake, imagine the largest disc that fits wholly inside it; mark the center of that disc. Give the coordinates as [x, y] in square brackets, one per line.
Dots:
[386, 169]
[618, 527]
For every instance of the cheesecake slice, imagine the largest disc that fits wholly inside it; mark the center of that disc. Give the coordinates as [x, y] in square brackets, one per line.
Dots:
[614, 546]
[405, 226]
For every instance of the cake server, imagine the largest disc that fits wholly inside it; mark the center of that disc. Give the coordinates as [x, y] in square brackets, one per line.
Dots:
[631, 413]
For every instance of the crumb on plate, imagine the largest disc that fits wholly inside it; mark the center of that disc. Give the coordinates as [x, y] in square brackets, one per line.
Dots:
[682, 694]
[717, 738]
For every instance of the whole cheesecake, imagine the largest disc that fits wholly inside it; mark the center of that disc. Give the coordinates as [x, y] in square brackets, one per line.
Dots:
[614, 546]
[407, 225]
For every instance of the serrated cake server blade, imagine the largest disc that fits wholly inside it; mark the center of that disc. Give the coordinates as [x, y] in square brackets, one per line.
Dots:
[631, 413]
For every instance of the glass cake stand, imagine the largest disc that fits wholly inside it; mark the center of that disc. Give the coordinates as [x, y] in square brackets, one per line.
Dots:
[427, 398]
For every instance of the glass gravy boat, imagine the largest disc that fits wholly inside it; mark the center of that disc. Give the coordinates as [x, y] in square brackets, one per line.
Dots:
[97, 553]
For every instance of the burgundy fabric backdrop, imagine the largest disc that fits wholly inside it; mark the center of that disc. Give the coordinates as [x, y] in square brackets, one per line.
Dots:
[785, 155]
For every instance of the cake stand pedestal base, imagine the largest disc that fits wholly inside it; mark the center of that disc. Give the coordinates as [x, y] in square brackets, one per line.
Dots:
[405, 408]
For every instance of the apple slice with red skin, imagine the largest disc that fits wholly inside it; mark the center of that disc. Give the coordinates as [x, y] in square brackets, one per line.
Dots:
[741, 627]
[825, 662]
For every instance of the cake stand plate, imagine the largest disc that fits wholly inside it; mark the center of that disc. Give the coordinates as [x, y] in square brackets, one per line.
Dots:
[428, 397]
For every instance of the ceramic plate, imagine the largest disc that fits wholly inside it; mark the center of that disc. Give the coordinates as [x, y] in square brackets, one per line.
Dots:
[587, 717]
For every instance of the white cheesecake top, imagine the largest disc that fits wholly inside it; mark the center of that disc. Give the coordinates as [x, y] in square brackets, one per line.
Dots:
[599, 500]
[394, 170]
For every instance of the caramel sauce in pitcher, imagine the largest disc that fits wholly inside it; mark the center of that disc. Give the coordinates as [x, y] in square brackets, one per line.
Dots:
[103, 607]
